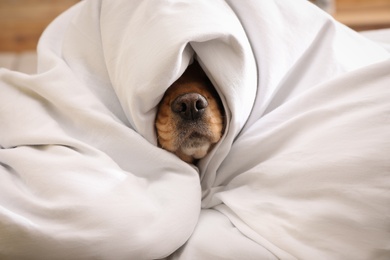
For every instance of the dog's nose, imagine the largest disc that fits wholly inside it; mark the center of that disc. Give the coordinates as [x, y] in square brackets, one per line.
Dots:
[189, 106]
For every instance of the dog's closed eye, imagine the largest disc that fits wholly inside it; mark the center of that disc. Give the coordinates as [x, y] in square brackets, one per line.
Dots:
[190, 116]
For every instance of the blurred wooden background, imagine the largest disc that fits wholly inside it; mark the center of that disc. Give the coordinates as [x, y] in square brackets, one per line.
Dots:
[363, 14]
[23, 21]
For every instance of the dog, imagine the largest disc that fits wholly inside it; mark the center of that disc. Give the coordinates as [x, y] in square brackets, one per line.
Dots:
[190, 117]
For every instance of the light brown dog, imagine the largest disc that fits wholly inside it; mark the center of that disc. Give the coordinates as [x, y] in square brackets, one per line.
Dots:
[190, 117]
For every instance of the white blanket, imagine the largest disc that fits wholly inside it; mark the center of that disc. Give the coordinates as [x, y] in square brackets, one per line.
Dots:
[302, 172]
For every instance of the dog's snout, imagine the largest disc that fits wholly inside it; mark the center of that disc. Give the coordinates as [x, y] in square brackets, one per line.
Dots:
[189, 106]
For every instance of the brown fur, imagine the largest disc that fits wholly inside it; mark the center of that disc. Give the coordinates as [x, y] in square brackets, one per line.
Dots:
[190, 140]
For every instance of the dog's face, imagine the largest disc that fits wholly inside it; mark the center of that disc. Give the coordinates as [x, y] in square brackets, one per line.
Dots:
[190, 117]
